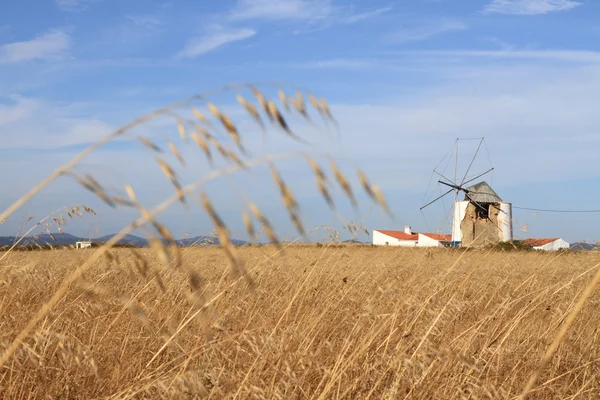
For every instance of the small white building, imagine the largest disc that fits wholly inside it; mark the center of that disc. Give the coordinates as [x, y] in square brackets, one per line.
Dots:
[83, 245]
[550, 244]
[434, 240]
[408, 238]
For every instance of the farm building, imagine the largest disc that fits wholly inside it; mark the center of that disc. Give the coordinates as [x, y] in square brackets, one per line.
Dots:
[83, 245]
[549, 244]
[408, 238]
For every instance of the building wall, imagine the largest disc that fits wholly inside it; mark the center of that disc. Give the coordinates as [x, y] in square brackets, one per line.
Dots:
[505, 222]
[470, 230]
[478, 231]
[426, 241]
[381, 240]
[556, 245]
[460, 208]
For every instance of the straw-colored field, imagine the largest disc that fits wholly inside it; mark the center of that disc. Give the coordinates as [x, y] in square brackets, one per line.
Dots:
[322, 322]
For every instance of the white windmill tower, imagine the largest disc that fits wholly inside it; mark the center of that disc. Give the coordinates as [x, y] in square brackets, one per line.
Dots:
[481, 217]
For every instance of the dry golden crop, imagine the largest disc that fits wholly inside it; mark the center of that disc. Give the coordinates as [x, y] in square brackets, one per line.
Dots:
[282, 321]
[341, 321]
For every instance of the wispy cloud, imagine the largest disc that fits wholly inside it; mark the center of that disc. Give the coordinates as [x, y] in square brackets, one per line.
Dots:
[145, 21]
[49, 45]
[338, 63]
[529, 7]
[425, 31]
[72, 5]
[207, 43]
[550, 55]
[281, 9]
[366, 15]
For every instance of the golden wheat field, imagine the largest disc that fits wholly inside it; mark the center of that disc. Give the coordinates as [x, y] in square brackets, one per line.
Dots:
[317, 322]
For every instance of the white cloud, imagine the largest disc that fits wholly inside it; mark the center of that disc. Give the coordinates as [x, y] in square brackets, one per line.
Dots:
[49, 45]
[207, 43]
[34, 124]
[22, 109]
[282, 9]
[425, 31]
[529, 7]
[366, 15]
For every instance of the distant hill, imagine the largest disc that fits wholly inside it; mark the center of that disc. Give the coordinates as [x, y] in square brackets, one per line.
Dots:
[65, 239]
[584, 246]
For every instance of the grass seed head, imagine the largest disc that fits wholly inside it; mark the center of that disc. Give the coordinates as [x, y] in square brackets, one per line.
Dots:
[283, 99]
[262, 101]
[248, 225]
[251, 110]
[198, 114]
[176, 153]
[381, 199]
[362, 177]
[343, 182]
[181, 130]
[201, 142]
[267, 228]
[229, 126]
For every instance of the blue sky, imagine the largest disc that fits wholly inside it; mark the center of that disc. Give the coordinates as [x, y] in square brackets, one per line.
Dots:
[404, 80]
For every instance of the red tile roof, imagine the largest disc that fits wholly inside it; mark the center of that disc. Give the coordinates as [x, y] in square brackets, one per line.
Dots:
[439, 237]
[400, 235]
[539, 242]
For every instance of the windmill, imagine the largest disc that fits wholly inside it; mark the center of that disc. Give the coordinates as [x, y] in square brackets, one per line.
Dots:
[481, 217]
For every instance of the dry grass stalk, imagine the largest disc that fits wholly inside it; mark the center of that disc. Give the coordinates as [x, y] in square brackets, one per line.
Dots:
[176, 152]
[170, 174]
[229, 126]
[249, 226]
[148, 216]
[343, 182]
[201, 142]
[251, 110]
[266, 225]
[283, 99]
[181, 130]
[288, 199]
[262, 101]
[201, 117]
[235, 262]
[381, 199]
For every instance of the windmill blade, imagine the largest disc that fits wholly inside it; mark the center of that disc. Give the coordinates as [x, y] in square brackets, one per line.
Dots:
[442, 176]
[471, 164]
[478, 176]
[454, 187]
[436, 199]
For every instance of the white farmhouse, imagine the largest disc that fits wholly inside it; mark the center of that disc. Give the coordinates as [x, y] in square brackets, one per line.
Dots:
[83, 245]
[408, 238]
[550, 244]
[395, 238]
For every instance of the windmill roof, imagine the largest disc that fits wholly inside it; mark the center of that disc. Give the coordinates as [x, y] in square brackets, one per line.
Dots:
[482, 193]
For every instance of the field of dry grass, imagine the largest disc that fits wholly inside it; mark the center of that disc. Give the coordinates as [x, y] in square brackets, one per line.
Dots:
[320, 322]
